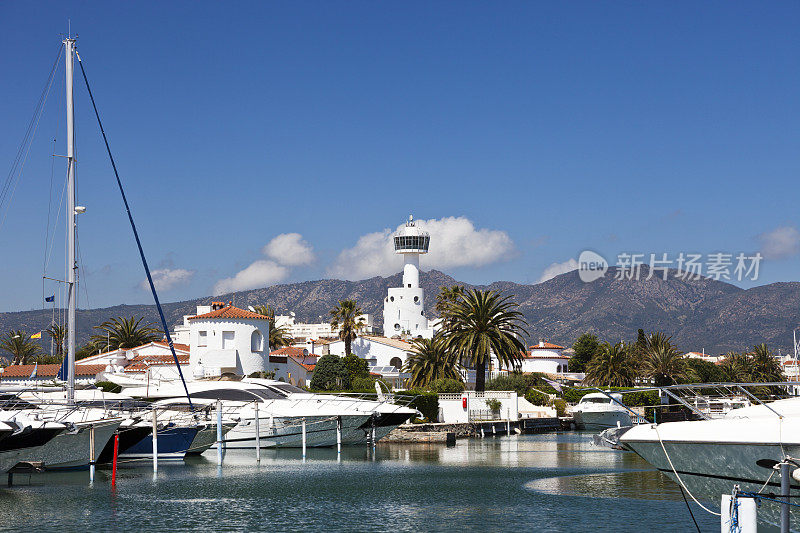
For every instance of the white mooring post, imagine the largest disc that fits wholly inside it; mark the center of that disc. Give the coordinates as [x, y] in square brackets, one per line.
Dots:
[339, 435]
[91, 454]
[508, 421]
[303, 429]
[785, 488]
[219, 432]
[258, 436]
[373, 431]
[746, 516]
[155, 442]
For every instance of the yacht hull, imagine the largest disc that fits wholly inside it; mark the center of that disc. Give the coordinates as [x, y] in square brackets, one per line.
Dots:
[710, 457]
[287, 432]
[70, 449]
[173, 441]
[599, 420]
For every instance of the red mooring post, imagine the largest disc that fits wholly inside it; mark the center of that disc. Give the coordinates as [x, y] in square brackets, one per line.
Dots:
[114, 464]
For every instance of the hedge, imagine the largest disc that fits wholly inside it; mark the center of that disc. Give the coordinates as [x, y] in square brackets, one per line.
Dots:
[426, 402]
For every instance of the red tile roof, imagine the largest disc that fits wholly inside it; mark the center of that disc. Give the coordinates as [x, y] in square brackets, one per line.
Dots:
[140, 363]
[230, 311]
[547, 346]
[182, 347]
[290, 350]
[48, 371]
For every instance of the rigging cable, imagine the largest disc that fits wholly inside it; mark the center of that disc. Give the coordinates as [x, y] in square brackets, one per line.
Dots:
[18, 165]
[135, 233]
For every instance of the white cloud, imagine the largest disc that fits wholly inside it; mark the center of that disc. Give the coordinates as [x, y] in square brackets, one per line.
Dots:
[780, 242]
[289, 249]
[166, 278]
[259, 274]
[556, 269]
[455, 242]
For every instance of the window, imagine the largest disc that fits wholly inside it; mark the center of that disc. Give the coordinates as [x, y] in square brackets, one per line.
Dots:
[256, 341]
[231, 395]
[228, 338]
[416, 299]
[397, 327]
[202, 338]
[391, 298]
[396, 362]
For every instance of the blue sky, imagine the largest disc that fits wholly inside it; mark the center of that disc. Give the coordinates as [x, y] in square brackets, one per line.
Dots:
[534, 130]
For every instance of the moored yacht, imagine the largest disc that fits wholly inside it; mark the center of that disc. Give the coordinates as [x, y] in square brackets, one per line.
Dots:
[598, 411]
[709, 457]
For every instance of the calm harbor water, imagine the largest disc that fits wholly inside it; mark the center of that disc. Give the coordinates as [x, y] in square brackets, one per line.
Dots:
[550, 482]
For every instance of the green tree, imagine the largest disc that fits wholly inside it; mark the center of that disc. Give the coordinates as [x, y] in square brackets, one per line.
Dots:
[347, 317]
[612, 366]
[640, 346]
[585, 347]
[736, 367]
[278, 336]
[430, 361]
[125, 333]
[765, 367]
[480, 324]
[662, 362]
[699, 371]
[447, 296]
[356, 367]
[330, 374]
[20, 346]
[58, 332]
[446, 386]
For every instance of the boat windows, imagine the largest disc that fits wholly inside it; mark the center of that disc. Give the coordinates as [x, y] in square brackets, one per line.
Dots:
[269, 393]
[231, 395]
[287, 388]
[595, 400]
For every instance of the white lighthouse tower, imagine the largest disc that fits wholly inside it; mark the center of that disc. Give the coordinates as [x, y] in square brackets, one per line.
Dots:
[404, 307]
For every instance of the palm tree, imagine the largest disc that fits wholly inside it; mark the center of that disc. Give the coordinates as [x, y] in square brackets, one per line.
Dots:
[430, 360]
[613, 366]
[479, 324]
[278, 336]
[125, 333]
[765, 367]
[20, 345]
[347, 317]
[446, 296]
[57, 332]
[662, 361]
[736, 367]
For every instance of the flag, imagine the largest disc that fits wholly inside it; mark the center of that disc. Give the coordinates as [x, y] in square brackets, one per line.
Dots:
[554, 384]
[36, 335]
[35, 368]
[50, 298]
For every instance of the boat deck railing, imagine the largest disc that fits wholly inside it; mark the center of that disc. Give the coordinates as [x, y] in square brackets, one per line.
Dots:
[706, 400]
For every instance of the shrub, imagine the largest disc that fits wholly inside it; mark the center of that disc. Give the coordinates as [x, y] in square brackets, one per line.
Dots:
[515, 382]
[356, 367]
[493, 404]
[561, 407]
[446, 385]
[537, 398]
[367, 384]
[264, 375]
[330, 374]
[632, 399]
[425, 402]
[107, 386]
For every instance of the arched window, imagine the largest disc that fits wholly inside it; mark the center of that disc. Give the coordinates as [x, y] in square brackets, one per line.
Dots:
[256, 341]
[396, 362]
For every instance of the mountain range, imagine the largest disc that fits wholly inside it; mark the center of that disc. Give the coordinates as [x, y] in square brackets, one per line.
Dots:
[702, 314]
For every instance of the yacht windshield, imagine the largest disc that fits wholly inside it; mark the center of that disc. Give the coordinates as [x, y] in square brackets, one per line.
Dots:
[269, 393]
[287, 388]
[231, 395]
[595, 400]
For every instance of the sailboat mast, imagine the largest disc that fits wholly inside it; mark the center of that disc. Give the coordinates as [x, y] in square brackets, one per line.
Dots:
[72, 264]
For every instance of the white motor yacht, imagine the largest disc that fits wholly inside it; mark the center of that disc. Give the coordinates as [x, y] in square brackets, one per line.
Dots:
[710, 456]
[597, 411]
[282, 408]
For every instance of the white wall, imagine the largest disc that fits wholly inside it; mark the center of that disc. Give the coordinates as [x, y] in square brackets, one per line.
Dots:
[238, 357]
[554, 365]
[376, 353]
[452, 410]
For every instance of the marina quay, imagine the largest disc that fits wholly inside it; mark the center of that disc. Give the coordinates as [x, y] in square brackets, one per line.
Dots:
[447, 267]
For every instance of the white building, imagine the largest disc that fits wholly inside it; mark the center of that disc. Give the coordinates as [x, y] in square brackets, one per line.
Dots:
[545, 357]
[223, 338]
[303, 332]
[704, 357]
[377, 351]
[404, 307]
